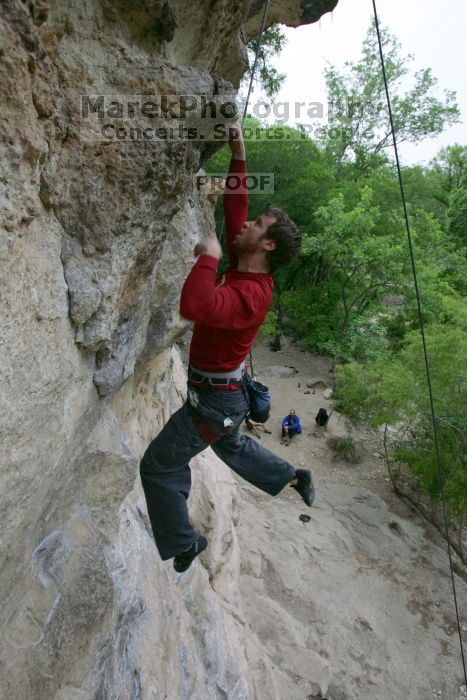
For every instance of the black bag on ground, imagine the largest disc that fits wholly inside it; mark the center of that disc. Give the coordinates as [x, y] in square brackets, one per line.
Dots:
[322, 418]
[259, 400]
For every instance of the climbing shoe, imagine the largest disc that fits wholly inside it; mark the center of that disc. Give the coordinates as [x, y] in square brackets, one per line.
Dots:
[183, 561]
[304, 486]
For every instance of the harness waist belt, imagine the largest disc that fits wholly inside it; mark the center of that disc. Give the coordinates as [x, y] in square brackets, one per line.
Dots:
[216, 378]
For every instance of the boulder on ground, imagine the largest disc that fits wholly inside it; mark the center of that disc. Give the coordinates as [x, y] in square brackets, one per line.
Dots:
[277, 371]
[317, 383]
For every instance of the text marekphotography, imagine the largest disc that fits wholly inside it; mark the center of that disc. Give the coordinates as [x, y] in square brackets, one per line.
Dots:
[110, 118]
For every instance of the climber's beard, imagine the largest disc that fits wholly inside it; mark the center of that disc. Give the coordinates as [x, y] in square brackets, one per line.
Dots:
[248, 241]
[245, 247]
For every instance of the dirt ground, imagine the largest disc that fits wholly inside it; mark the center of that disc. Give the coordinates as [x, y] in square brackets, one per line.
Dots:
[310, 449]
[387, 575]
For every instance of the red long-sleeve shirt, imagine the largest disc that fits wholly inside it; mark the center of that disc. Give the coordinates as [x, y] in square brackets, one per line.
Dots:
[227, 310]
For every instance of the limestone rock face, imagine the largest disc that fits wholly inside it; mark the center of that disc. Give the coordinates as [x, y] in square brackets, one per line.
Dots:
[96, 238]
[344, 603]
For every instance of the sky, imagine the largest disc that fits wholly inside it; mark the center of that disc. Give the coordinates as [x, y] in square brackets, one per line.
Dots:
[433, 33]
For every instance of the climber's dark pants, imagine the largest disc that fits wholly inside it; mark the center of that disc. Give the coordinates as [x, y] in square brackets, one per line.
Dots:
[166, 476]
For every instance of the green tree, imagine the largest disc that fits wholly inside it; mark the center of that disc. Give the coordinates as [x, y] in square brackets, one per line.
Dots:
[450, 165]
[359, 128]
[267, 77]
[457, 212]
[395, 393]
[449, 170]
[363, 256]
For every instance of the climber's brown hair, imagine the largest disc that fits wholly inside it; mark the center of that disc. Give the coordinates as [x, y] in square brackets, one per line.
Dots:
[286, 236]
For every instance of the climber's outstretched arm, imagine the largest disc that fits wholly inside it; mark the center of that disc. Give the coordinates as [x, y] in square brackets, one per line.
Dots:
[235, 194]
[236, 143]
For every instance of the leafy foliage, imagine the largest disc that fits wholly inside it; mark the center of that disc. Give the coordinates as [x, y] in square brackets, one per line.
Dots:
[359, 124]
[394, 392]
[267, 76]
[344, 448]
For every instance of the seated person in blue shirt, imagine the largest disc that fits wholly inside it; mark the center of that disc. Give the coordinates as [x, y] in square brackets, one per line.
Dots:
[290, 427]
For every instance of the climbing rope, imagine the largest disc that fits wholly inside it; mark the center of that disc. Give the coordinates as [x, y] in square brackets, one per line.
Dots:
[253, 70]
[422, 332]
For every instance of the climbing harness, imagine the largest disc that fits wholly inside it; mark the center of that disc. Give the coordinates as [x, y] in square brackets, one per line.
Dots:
[422, 332]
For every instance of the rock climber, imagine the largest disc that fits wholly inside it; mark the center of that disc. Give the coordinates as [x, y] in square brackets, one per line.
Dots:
[227, 312]
[290, 427]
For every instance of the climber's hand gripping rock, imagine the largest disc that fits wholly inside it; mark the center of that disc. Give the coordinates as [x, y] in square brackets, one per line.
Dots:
[209, 246]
